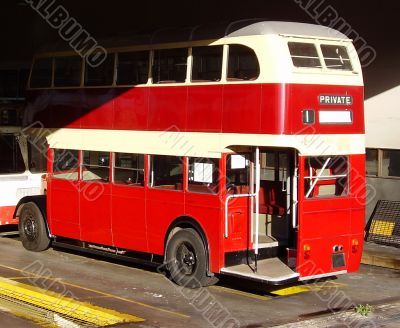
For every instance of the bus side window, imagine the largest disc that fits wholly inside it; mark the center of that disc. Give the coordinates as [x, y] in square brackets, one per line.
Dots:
[170, 65]
[326, 176]
[203, 175]
[243, 64]
[133, 68]
[207, 64]
[129, 169]
[238, 173]
[102, 75]
[166, 172]
[42, 73]
[65, 164]
[67, 71]
[96, 166]
[336, 57]
[304, 55]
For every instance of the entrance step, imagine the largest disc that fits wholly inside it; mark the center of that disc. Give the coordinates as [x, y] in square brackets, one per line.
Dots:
[267, 241]
[271, 271]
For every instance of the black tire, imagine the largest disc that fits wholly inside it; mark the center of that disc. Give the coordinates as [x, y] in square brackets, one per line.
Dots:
[186, 259]
[32, 228]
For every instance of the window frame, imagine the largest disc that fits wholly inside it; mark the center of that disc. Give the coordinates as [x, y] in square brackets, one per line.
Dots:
[149, 67]
[32, 69]
[150, 175]
[77, 169]
[313, 179]
[82, 163]
[169, 82]
[114, 72]
[219, 173]
[324, 68]
[191, 65]
[113, 167]
[225, 65]
[81, 75]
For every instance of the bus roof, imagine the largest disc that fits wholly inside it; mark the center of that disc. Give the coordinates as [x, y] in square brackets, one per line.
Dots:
[247, 27]
[283, 28]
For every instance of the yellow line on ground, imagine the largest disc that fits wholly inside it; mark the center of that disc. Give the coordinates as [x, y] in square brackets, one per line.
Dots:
[103, 293]
[291, 290]
[306, 288]
[240, 293]
[93, 297]
[128, 300]
[24, 277]
[58, 303]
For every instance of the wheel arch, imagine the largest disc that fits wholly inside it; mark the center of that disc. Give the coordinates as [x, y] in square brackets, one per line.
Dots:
[184, 222]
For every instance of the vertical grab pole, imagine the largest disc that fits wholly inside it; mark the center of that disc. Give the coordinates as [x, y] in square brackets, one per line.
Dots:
[257, 203]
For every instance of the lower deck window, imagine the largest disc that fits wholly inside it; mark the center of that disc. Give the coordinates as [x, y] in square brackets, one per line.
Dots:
[96, 166]
[238, 173]
[166, 172]
[65, 164]
[326, 176]
[203, 175]
[129, 169]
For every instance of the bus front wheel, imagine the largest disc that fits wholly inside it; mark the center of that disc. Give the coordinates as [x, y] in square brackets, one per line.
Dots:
[32, 228]
[186, 259]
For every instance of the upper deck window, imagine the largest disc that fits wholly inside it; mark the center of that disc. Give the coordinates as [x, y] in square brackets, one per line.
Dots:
[207, 64]
[243, 64]
[42, 73]
[102, 75]
[67, 71]
[133, 68]
[304, 55]
[170, 66]
[336, 57]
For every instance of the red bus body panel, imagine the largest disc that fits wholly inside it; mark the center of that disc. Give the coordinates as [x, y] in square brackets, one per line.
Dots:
[138, 218]
[260, 108]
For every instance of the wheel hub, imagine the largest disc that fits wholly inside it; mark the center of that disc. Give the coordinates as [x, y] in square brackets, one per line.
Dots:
[187, 259]
[30, 228]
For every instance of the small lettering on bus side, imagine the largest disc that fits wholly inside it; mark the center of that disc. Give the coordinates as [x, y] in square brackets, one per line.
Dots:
[335, 100]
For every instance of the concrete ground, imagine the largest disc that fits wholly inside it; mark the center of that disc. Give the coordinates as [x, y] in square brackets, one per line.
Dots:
[141, 291]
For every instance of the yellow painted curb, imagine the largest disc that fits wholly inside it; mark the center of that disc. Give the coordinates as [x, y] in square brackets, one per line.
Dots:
[63, 305]
[291, 290]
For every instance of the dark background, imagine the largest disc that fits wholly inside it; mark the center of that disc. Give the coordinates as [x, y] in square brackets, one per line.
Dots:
[22, 30]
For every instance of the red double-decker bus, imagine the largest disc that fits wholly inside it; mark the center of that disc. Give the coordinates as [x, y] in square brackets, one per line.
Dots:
[234, 150]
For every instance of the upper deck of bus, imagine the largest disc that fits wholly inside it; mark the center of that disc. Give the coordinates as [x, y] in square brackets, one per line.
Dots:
[260, 78]
[268, 39]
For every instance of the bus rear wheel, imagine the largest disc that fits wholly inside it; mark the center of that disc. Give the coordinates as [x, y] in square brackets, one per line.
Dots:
[32, 228]
[186, 259]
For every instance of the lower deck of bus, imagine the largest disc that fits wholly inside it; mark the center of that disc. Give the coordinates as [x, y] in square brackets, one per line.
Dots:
[249, 221]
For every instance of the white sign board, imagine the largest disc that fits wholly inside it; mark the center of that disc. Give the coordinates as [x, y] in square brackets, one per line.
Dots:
[203, 172]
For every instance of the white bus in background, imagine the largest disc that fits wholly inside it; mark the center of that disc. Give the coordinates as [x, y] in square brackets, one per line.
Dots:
[382, 124]
[21, 172]
[22, 160]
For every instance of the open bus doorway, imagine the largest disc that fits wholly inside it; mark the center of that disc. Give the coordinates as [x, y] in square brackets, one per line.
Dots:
[265, 187]
[277, 201]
